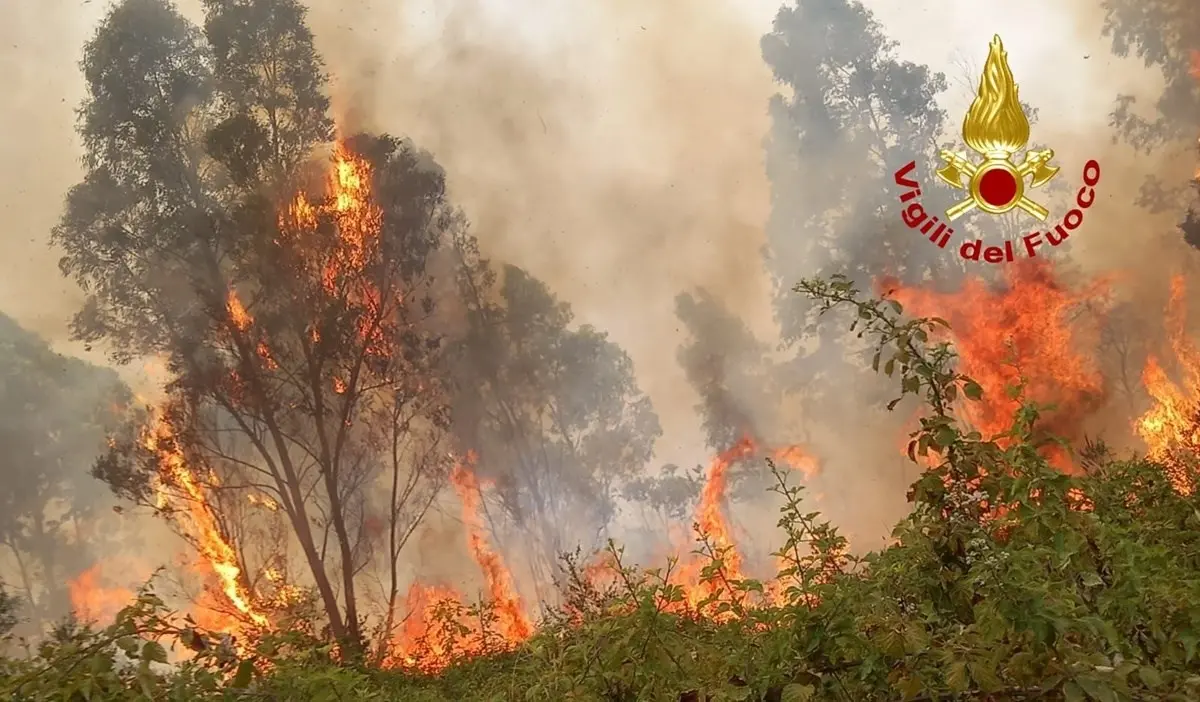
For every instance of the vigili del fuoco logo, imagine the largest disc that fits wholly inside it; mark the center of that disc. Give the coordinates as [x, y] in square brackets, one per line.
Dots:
[995, 128]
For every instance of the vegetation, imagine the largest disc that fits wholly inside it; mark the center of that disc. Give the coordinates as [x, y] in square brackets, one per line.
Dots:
[340, 352]
[1008, 581]
[333, 336]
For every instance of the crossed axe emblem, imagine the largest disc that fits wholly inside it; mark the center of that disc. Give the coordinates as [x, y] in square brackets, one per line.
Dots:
[958, 168]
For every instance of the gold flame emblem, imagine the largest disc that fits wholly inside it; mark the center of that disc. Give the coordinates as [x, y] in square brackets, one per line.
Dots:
[996, 128]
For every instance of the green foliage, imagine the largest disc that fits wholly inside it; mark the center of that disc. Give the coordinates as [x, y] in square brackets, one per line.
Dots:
[1008, 581]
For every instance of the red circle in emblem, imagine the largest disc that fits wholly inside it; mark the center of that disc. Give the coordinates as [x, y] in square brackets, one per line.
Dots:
[998, 187]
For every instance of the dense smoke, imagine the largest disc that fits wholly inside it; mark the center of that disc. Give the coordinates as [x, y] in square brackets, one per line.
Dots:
[616, 151]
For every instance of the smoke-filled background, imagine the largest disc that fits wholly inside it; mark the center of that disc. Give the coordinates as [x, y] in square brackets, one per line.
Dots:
[619, 151]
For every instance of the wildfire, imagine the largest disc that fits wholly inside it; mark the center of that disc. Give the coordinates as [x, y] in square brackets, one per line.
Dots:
[1023, 331]
[514, 625]
[238, 316]
[94, 597]
[711, 523]
[1174, 421]
[357, 217]
[179, 488]
[437, 630]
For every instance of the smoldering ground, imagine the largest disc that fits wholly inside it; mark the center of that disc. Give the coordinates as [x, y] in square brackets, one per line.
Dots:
[613, 149]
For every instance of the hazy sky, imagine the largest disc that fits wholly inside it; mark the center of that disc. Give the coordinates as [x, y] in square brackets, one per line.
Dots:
[40, 43]
[588, 47]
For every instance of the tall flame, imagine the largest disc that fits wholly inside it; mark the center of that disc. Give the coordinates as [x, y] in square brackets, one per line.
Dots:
[179, 484]
[712, 523]
[1174, 421]
[514, 624]
[995, 123]
[436, 632]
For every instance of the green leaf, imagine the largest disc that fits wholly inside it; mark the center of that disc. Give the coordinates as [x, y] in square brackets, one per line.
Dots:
[1072, 693]
[1150, 677]
[245, 673]
[154, 651]
[972, 390]
[1019, 664]
[957, 678]
[891, 642]
[1189, 641]
[129, 645]
[1097, 689]
[985, 676]
[1091, 580]
[915, 639]
[910, 687]
[796, 692]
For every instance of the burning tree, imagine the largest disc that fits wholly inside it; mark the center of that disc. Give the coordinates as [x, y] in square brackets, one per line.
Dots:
[292, 299]
[555, 413]
[324, 314]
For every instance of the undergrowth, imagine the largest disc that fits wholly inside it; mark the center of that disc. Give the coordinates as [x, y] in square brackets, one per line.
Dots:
[1009, 580]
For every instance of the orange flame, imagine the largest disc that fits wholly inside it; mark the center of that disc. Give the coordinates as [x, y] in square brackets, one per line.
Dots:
[1023, 331]
[712, 524]
[1174, 421]
[179, 484]
[437, 632]
[514, 624]
[237, 312]
[94, 598]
